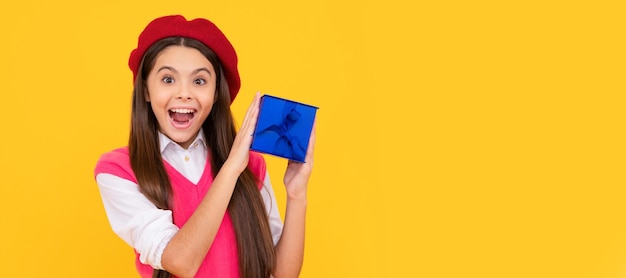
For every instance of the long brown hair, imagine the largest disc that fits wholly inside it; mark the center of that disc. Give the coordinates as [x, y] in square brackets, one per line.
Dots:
[250, 221]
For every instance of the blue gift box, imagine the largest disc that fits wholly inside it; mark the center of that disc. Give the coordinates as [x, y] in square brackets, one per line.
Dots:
[283, 128]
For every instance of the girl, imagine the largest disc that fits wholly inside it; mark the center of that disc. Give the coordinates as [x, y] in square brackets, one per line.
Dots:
[187, 194]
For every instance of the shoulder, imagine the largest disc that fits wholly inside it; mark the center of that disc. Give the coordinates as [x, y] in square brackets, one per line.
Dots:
[256, 158]
[115, 162]
[116, 154]
[256, 164]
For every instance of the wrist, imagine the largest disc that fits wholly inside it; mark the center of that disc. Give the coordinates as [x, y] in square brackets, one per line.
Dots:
[294, 205]
[297, 198]
[229, 169]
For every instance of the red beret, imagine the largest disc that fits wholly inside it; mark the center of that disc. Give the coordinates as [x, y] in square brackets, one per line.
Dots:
[199, 29]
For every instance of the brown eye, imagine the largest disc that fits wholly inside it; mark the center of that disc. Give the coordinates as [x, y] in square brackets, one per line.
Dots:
[199, 81]
[167, 80]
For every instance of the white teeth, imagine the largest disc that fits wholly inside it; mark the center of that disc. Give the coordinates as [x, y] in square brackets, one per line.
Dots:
[182, 110]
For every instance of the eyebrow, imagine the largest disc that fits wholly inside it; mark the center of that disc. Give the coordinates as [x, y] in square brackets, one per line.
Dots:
[175, 71]
[201, 69]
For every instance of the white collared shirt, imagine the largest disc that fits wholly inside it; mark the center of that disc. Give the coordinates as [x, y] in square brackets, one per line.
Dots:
[149, 229]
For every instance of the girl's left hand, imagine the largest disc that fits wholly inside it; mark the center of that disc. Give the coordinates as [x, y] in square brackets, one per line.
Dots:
[297, 173]
[239, 152]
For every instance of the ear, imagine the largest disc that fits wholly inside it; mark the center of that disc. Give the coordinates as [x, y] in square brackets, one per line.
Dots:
[146, 95]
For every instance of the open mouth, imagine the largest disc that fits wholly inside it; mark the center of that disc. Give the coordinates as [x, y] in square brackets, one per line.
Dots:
[181, 117]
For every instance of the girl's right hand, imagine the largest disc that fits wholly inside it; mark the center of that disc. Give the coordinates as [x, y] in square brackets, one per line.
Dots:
[240, 151]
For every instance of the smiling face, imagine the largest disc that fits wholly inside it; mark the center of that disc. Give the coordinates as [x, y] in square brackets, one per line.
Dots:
[181, 91]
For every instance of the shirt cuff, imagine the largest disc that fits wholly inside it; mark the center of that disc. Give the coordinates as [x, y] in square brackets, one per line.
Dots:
[158, 252]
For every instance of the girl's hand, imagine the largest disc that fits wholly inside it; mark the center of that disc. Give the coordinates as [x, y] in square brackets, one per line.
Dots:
[239, 153]
[297, 173]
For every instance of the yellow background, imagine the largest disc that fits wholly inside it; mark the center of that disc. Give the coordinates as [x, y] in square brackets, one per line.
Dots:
[456, 138]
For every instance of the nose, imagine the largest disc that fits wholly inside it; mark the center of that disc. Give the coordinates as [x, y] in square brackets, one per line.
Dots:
[183, 92]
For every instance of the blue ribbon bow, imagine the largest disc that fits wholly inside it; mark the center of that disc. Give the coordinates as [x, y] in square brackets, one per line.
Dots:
[287, 145]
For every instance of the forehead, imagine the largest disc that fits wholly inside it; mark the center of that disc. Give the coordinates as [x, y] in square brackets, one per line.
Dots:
[183, 57]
